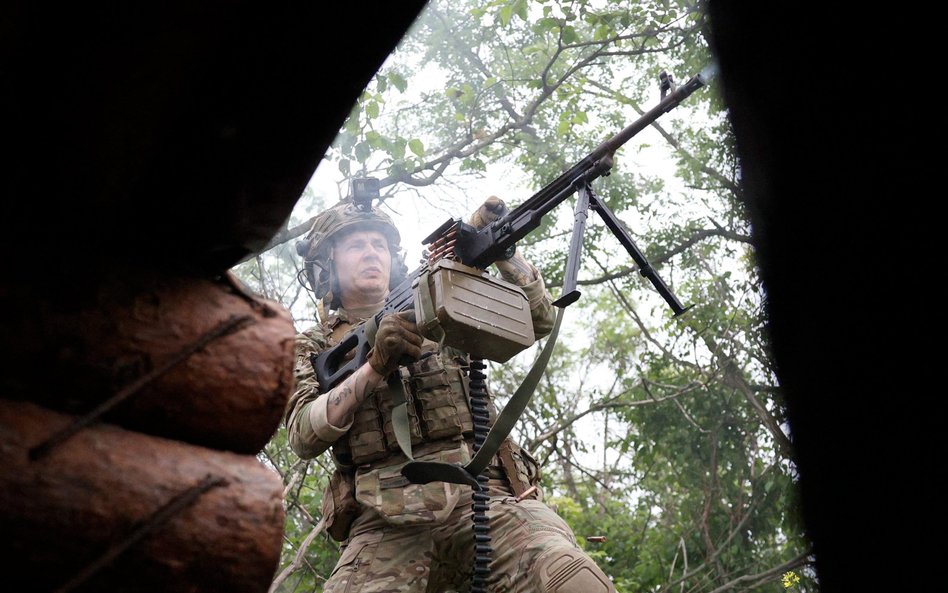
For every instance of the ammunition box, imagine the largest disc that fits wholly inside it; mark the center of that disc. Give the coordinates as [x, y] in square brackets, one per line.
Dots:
[477, 313]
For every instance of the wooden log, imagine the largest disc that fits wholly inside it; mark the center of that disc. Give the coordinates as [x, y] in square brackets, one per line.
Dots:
[196, 360]
[61, 514]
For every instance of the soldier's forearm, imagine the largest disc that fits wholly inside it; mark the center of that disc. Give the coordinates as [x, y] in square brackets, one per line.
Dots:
[516, 270]
[349, 395]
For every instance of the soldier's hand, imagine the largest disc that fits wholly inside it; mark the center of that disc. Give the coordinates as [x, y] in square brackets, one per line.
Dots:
[513, 269]
[492, 209]
[397, 337]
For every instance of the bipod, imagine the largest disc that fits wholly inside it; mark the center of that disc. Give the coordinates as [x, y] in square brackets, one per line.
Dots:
[586, 199]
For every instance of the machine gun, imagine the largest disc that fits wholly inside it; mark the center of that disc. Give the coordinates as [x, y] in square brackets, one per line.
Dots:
[459, 305]
[478, 248]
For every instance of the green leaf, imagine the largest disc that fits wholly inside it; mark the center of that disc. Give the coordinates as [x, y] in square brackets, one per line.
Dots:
[547, 24]
[416, 147]
[362, 151]
[372, 109]
[602, 32]
[344, 166]
[346, 141]
[398, 81]
[374, 139]
[473, 164]
[398, 148]
[467, 94]
[570, 35]
[397, 167]
[563, 128]
[505, 13]
[352, 122]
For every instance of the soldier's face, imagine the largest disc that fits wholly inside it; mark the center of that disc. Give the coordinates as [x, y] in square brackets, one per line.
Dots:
[363, 265]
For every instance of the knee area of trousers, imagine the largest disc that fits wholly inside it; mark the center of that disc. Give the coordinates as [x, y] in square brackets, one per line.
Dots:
[563, 570]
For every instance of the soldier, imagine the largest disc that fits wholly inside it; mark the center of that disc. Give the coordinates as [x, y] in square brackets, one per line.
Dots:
[399, 536]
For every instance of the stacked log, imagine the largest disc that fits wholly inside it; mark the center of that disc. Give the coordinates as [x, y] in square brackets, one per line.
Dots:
[157, 146]
[129, 423]
[208, 363]
[118, 510]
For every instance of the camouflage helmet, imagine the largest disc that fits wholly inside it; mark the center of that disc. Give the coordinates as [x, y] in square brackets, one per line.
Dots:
[346, 216]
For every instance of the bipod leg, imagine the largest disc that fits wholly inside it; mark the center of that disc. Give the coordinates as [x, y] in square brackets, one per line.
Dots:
[645, 268]
[569, 294]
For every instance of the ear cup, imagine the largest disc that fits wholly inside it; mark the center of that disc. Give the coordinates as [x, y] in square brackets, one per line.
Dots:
[399, 270]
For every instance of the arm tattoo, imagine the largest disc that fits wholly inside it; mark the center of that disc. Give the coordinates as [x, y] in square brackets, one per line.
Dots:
[349, 395]
[340, 394]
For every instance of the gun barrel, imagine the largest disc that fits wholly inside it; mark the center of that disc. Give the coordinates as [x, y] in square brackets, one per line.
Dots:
[668, 103]
[494, 239]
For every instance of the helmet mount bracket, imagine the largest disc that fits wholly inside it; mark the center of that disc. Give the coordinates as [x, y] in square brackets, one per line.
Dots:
[362, 190]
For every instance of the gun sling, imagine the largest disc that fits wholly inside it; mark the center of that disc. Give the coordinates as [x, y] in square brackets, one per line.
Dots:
[422, 472]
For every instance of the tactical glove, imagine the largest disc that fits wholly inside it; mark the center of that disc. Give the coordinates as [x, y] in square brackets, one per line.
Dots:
[492, 209]
[513, 267]
[396, 341]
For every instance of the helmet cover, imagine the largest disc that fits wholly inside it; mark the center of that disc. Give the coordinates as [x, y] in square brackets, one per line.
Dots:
[333, 223]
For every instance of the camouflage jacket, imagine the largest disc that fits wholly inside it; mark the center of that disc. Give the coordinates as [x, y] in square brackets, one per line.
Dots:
[309, 431]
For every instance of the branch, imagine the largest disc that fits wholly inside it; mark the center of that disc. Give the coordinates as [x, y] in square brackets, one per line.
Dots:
[272, 463]
[591, 475]
[663, 258]
[645, 35]
[728, 183]
[303, 511]
[298, 560]
[720, 548]
[771, 574]
[625, 304]
[734, 378]
[519, 121]
[688, 417]
[606, 405]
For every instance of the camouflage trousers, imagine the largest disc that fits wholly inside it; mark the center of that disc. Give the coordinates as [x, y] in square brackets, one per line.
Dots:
[534, 551]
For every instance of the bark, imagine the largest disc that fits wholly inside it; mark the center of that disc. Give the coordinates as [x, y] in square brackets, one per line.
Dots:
[186, 358]
[165, 516]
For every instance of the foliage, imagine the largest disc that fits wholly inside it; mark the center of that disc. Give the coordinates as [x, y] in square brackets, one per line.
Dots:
[688, 474]
[305, 481]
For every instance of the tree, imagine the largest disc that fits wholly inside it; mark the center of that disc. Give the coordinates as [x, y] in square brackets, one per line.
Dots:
[690, 477]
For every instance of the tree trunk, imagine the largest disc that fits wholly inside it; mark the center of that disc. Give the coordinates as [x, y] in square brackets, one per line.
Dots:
[196, 519]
